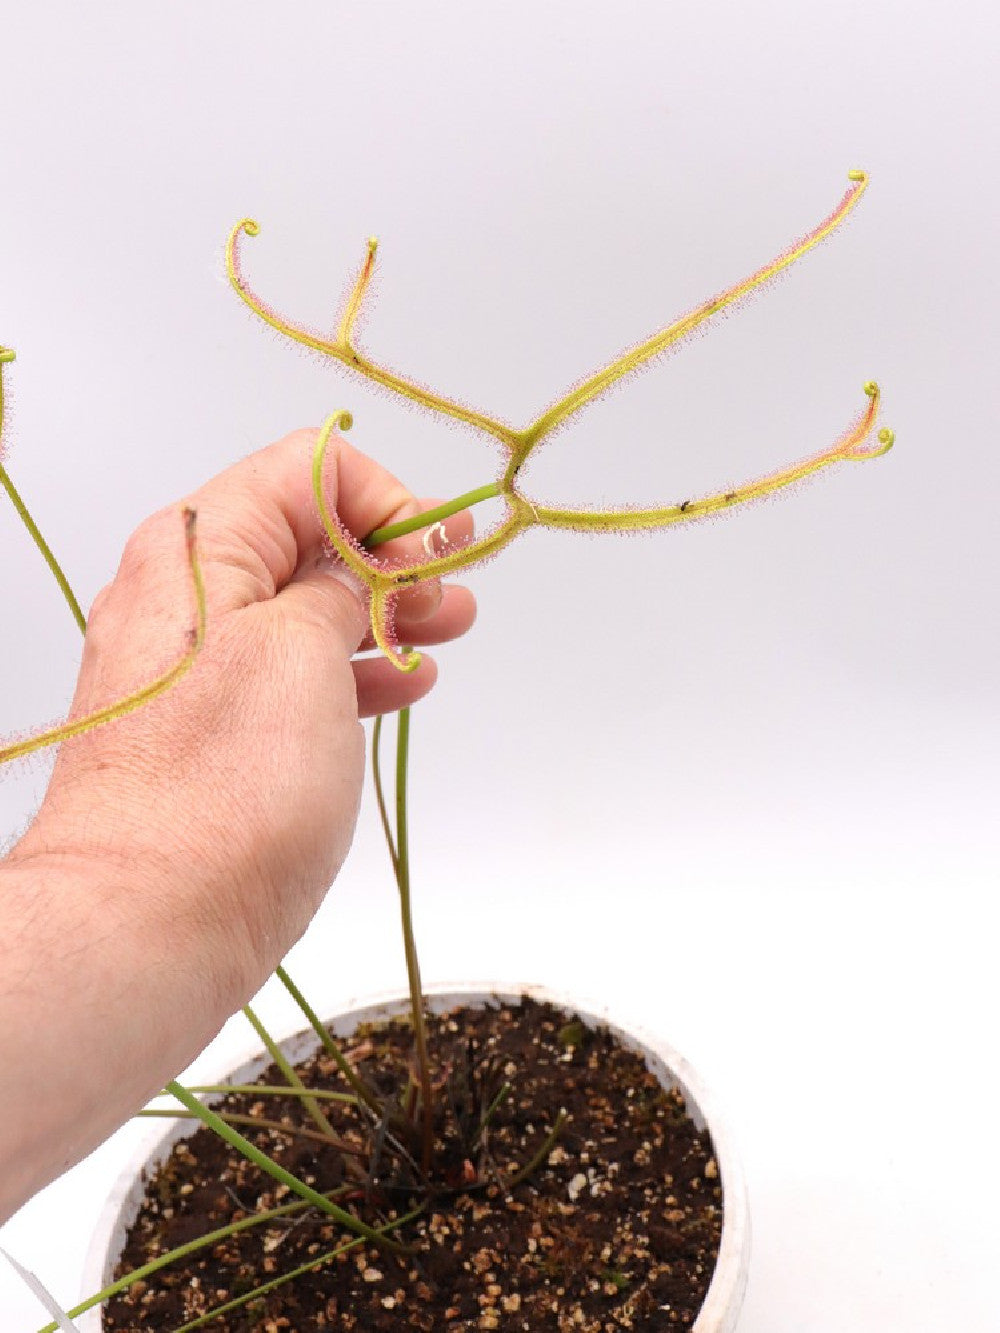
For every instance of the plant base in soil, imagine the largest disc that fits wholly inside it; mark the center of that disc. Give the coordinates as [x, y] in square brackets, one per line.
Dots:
[617, 1228]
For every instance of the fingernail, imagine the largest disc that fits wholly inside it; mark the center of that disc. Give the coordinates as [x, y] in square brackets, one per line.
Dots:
[421, 601]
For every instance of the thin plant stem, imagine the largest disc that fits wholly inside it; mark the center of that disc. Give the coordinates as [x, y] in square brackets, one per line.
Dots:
[380, 792]
[266, 1090]
[241, 1118]
[491, 491]
[491, 1111]
[6, 356]
[78, 726]
[182, 1251]
[141, 696]
[265, 1288]
[540, 1155]
[354, 1079]
[398, 848]
[44, 548]
[272, 1168]
[402, 867]
[280, 1059]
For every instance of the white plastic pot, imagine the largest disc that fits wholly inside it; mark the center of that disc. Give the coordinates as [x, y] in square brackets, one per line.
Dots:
[725, 1293]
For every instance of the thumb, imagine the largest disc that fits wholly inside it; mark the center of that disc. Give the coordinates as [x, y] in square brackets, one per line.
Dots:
[326, 594]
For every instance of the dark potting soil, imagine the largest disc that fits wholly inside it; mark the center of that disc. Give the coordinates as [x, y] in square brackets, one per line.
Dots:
[617, 1227]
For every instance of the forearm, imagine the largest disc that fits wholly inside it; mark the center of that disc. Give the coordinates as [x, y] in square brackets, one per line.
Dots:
[107, 990]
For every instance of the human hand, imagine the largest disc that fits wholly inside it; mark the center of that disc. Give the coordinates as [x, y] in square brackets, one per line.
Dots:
[232, 797]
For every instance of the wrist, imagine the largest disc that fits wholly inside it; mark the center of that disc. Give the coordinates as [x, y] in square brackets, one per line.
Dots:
[103, 999]
[112, 889]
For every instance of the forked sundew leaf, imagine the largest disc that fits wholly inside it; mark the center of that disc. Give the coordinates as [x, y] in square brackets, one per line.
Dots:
[58, 1314]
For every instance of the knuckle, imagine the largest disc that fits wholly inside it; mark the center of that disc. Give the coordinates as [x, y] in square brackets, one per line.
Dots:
[99, 606]
[144, 548]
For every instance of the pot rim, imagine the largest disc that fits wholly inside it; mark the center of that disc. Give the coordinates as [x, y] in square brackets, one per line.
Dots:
[724, 1296]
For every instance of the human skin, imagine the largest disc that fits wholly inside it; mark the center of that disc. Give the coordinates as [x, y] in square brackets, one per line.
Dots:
[182, 850]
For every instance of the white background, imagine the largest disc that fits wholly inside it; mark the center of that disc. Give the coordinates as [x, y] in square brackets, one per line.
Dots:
[737, 779]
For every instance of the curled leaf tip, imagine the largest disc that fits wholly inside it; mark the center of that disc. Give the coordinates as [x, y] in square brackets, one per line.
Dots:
[339, 420]
[859, 454]
[249, 225]
[886, 438]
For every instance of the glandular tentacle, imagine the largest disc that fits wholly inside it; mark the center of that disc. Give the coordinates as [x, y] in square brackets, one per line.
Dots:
[343, 544]
[886, 438]
[623, 365]
[121, 707]
[346, 326]
[342, 351]
[250, 227]
[385, 582]
[847, 447]
[382, 631]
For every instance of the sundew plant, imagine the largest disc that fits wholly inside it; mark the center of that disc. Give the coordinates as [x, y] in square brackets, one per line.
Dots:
[518, 445]
[405, 1125]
